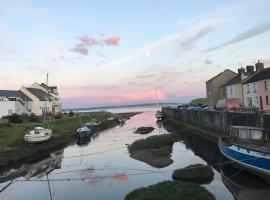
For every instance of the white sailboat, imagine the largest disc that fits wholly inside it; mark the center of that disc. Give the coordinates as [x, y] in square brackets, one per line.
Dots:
[40, 134]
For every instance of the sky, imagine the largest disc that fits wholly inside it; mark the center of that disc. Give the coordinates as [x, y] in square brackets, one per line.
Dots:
[121, 52]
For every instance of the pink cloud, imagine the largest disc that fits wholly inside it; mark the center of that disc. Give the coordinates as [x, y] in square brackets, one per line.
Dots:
[118, 98]
[80, 48]
[88, 40]
[114, 40]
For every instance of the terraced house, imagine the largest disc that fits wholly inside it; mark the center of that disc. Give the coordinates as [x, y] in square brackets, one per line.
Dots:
[256, 89]
[36, 99]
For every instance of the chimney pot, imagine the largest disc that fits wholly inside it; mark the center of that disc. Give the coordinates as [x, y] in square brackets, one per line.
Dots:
[259, 66]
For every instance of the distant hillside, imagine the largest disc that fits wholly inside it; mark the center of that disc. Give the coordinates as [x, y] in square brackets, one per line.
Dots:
[199, 101]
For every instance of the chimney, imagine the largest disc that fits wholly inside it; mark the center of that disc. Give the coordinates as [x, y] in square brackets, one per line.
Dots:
[250, 69]
[259, 66]
[241, 71]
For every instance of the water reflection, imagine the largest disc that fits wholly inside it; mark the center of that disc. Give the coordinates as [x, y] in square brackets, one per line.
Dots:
[243, 185]
[38, 168]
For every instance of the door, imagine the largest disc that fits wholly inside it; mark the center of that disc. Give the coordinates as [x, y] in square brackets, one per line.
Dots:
[261, 103]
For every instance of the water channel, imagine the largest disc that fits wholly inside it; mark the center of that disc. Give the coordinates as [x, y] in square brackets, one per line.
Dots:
[101, 168]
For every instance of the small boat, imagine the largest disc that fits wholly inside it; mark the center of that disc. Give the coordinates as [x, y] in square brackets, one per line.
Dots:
[83, 131]
[39, 134]
[159, 115]
[248, 148]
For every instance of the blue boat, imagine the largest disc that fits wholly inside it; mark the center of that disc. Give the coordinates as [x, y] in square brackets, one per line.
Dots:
[249, 148]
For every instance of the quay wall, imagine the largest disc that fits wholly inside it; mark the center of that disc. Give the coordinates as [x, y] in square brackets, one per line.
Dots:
[219, 121]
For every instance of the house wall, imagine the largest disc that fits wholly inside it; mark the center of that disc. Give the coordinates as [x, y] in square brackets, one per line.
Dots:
[7, 108]
[213, 91]
[235, 92]
[263, 93]
[250, 94]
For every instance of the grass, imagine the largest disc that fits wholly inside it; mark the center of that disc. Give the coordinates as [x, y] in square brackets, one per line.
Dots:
[152, 142]
[170, 190]
[144, 130]
[197, 173]
[13, 147]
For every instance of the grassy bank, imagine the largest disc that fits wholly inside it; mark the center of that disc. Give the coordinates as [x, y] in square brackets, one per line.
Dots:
[13, 147]
[197, 173]
[205, 133]
[154, 150]
[171, 190]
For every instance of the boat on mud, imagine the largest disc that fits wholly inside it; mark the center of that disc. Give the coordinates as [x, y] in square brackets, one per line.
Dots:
[248, 148]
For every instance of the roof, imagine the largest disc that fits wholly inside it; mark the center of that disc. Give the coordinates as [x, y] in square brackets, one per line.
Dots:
[46, 86]
[220, 74]
[14, 93]
[40, 94]
[258, 76]
[234, 80]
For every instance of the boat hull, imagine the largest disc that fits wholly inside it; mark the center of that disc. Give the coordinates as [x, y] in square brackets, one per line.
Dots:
[255, 162]
[36, 139]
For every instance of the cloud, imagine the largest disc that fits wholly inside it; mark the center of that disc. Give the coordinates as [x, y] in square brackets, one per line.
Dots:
[114, 40]
[189, 43]
[86, 41]
[208, 62]
[80, 48]
[252, 32]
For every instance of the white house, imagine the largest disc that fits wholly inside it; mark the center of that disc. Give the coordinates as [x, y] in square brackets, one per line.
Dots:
[14, 101]
[37, 99]
[250, 88]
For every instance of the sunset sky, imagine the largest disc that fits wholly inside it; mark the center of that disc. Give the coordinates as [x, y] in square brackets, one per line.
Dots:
[117, 52]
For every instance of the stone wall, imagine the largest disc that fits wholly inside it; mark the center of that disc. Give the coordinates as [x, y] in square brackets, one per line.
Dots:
[218, 120]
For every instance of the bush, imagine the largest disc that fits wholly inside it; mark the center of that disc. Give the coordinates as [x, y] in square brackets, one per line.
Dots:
[171, 190]
[198, 173]
[58, 116]
[33, 118]
[71, 114]
[14, 118]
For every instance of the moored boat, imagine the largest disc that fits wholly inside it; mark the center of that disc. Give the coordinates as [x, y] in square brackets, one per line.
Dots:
[159, 115]
[83, 131]
[39, 134]
[249, 148]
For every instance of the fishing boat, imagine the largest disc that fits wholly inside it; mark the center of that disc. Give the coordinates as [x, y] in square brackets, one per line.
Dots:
[40, 134]
[83, 131]
[249, 148]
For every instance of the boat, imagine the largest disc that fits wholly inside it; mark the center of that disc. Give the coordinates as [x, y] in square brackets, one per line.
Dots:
[248, 148]
[40, 134]
[159, 115]
[83, 131]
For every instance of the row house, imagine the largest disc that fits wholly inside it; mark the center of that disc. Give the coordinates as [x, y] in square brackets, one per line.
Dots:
[256, 89]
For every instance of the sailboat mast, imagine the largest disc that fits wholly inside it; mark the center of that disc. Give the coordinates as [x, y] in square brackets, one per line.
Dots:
[45, 111]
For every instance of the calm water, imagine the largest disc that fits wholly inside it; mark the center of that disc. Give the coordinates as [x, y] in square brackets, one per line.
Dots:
[102, 168]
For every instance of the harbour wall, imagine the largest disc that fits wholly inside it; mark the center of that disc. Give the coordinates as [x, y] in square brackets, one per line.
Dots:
[217, 121]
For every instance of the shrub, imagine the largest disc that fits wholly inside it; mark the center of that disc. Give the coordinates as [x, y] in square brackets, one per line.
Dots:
[33, 118]
[14, 118]
[58, 116]
[198, 173]
[71, 114]
[144, 130]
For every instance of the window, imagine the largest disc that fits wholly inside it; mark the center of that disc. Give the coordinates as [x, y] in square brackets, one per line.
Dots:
[249, 102]
[248, 89]
[254, 87]
[230, 89]
[265, 85]
[266, 100]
